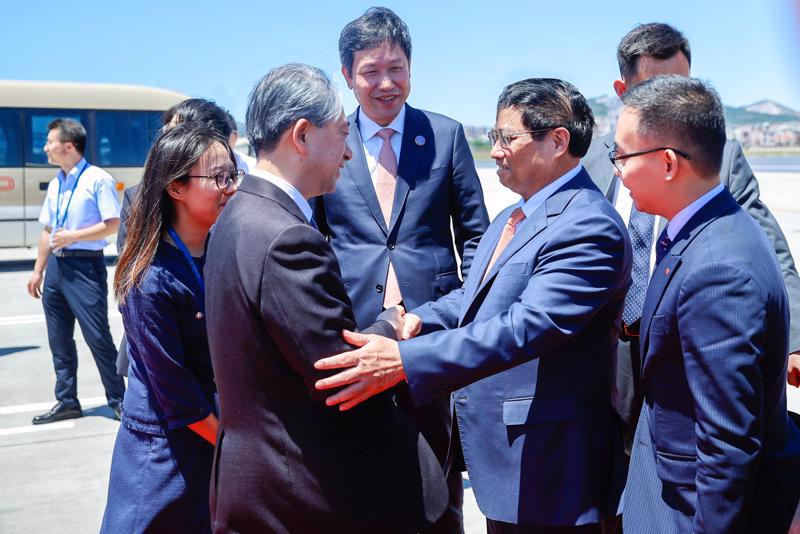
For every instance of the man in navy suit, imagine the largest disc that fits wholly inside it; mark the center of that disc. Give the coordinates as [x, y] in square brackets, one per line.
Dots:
[526, 343]
[646, 51]
[714, 440]
[389, 221]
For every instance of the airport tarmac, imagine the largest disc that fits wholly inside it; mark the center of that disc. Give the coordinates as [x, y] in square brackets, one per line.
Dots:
[56, 476]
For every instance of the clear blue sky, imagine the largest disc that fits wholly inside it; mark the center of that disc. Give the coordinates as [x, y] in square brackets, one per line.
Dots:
[463, 52]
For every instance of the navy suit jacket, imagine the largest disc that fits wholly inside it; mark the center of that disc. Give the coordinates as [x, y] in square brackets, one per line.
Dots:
[284, 461]
[714, 438]
[528, 352]
[436, 184]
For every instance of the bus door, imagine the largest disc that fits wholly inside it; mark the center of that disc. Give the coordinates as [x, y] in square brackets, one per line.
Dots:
[12, 183]
[39, 173]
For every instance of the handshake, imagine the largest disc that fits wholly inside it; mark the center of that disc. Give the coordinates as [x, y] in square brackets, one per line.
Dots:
[406, 325]
[374, 366]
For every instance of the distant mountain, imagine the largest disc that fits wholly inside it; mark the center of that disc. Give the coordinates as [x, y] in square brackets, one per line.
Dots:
[770, 107]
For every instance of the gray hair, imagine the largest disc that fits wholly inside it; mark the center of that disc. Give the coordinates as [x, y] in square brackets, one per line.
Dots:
[285, 95]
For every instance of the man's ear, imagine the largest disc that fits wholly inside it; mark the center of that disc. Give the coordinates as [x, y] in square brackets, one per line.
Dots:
[347, 77]
[620, 87]
[561, 138]
[299, 136]
[671, 163]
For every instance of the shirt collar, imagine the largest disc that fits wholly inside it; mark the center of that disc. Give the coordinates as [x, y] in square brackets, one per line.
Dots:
[533, 203]
[75, 170]
[679, 221]
[287, 188]
[369, 128]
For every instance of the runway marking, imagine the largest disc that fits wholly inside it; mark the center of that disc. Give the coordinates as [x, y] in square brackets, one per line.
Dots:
[16, 320]
[91, 402]
[60, 425]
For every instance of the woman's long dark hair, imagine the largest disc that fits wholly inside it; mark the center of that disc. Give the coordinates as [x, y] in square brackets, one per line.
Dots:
[176, 150]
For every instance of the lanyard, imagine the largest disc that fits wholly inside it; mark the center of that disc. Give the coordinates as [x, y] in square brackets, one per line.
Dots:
[179, 243]
[71, 195]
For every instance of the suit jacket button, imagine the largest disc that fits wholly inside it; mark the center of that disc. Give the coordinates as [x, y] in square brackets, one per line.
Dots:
[391, 246]
[379, 288]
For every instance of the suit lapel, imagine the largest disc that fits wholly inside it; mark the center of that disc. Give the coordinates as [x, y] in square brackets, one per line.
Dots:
[411, 156]
[265, 189]
[552, 207]
[484, 253]
[721, 204]
[358, 171]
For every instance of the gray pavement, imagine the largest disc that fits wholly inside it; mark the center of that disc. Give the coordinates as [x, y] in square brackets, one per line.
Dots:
[55, 476]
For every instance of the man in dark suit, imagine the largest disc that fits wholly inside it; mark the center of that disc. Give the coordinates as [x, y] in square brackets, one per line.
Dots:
[527, 342]
[389, 220]
[714, 440]
[285, 462]
[649, 50]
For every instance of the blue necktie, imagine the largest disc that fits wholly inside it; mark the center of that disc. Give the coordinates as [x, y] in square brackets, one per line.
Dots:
[640, 227]
[662, 246]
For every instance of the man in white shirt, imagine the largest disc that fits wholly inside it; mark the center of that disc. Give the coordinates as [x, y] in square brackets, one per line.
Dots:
[80, 210]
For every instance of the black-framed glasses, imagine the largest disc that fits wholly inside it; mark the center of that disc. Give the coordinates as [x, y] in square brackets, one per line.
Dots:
[505, 137]
[224, 179]
[616, 158]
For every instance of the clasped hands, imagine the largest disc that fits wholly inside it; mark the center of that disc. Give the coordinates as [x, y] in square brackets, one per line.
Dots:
[374, 366]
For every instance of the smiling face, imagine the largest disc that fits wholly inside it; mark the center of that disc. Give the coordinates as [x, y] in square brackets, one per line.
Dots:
[201, 199]
[525, 164]
[381, 81]
[328, 152]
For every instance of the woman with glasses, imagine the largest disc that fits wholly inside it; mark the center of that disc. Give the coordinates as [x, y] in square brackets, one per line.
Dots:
[161, 466]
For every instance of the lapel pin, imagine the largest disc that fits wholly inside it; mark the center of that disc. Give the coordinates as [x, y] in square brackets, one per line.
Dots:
[419, 140]
[198, 315]
[666, 271]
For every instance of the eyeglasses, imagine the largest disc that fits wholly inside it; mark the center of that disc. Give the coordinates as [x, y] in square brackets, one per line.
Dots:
[224, 179]
[617, 159]
[506, 137]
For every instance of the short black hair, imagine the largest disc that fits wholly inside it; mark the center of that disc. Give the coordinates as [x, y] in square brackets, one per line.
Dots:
[376, 26]
[655, 39]
[231, 121]
[70, 131]
[551, 103]
[684, 113]
[199, 111]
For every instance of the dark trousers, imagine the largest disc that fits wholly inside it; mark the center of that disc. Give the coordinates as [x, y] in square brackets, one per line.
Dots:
[628, 395]
[76, 288]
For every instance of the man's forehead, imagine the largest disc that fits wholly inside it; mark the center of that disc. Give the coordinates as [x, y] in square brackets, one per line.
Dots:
[386, 48]
[508, 116]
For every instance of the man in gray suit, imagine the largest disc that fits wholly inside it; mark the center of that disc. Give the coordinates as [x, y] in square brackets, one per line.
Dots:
[647, 51]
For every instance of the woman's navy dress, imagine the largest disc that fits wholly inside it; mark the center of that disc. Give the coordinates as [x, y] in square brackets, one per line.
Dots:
[160, 469]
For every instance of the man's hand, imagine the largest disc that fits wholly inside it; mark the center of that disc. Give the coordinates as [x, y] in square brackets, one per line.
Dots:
[412, 326]
[35, 285]
[395, 316]
[62, 238]
[794, 369]
[374, 367]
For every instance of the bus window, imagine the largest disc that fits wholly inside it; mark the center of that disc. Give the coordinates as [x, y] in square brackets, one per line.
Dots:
[37, 132]
[123, 138]
[10, 139]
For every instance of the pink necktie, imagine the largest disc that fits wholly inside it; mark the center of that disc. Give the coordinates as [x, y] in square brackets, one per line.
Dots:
[385, 182]
[505, 238]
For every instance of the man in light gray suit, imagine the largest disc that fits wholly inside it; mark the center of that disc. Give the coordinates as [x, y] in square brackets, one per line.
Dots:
[647, 51]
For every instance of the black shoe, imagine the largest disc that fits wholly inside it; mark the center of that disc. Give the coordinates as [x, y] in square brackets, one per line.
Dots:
[58, 412]
[117, 411]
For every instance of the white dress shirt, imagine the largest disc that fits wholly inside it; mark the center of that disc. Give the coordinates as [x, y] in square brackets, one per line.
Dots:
[287, 188]
[372, 143]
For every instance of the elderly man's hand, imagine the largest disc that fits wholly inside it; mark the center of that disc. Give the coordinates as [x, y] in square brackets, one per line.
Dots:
[370, 369]
[794, 369]
[411, 326]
